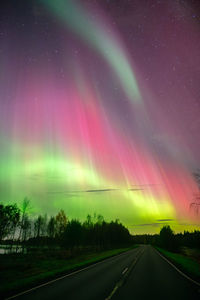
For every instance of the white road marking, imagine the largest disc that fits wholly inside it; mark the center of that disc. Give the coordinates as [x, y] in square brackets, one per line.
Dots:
[70, 274]
[126, 269]
[120, 282]
[184, 275]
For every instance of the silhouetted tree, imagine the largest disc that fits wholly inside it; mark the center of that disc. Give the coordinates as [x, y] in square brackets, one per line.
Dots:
[51, 227]
[167, 238]
[61, 223]
[24, 209]
[26, 229]
[195, 204]
[196, 175]
[73, 234]
[9, 219]
[38, 226]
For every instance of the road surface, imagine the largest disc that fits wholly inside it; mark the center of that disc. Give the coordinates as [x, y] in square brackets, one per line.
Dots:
[140, 273]
[154, 278]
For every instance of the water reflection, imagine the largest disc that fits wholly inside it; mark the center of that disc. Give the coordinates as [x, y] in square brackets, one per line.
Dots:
[8, 249]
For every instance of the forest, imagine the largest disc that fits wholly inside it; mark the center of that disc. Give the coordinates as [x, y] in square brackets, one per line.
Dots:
[169, 240]
[16, 227]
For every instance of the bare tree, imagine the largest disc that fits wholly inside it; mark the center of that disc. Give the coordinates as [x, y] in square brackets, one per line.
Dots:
[25, 205]
[195, 205]
[51, 227]
[61, 223]
[196, 175]
[38, 226]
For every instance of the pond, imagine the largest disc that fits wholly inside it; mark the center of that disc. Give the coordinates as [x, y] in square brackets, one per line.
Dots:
[8, 249]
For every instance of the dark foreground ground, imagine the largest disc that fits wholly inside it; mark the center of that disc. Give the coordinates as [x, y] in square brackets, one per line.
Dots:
[137, 274]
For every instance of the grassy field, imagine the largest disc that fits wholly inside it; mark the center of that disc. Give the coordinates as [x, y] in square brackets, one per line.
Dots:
[188, 265]
[19, 272]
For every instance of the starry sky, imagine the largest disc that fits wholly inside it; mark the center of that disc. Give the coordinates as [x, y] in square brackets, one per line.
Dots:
[100, 109]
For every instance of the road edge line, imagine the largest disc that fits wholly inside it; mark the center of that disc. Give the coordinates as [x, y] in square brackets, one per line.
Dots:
[64, 276]
[179, 271]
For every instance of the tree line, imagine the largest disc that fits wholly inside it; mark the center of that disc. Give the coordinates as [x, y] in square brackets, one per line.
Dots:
[17, 227]
[169, 240]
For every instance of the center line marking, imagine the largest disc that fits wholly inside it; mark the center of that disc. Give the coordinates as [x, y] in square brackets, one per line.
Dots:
[124, 271]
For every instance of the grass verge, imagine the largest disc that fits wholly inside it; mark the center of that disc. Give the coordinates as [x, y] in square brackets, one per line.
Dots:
[21, 272]
[186, 264]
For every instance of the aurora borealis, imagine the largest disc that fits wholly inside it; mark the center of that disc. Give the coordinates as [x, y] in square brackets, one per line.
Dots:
[100, 109]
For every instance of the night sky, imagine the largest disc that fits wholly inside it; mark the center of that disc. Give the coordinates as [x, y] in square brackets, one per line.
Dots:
[100, 109]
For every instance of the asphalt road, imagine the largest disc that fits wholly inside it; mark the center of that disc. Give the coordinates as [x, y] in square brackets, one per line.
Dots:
[137, 274]
[154, 278]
